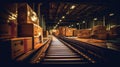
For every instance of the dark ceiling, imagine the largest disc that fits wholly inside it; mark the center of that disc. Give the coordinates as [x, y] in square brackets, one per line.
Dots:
[54, 11]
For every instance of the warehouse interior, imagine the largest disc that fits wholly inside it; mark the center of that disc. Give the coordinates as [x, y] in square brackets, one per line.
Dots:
[34, 32]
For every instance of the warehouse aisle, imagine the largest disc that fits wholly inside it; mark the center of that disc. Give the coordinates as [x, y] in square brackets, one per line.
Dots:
[58, 53]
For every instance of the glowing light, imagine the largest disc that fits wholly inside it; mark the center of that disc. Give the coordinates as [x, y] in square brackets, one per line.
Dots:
[95, 19]
[63, 17]
[112, 26]
[72, 7]
[77, 23]
[83, 21]
[111, 14]
[60, 20]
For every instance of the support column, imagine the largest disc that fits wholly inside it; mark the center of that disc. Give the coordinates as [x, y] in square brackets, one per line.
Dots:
[39, 13]
[103, 20]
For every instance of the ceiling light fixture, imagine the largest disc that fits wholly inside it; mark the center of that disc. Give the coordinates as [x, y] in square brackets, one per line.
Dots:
[77, 23]
[111, 14]
[63, 17]
[60, 20]
[72, 7]
[83, 21]
[95, 19]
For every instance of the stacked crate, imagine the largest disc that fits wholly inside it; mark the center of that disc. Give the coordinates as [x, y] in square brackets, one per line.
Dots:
[62, 30]
[19, 31]
[29, 25]
[66, 31]
[69, 32]
[26, 14]
[8, 30]
[84, 33]
[75, 33]
[99, 32]
[114, 32]
[56, 32]
[10, 45]
[8, 23]
[11, 48]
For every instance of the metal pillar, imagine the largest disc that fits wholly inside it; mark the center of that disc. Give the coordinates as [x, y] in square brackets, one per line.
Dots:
[103, 20]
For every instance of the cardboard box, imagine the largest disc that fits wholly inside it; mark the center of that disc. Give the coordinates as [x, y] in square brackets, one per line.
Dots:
[26, 14]
[11, 48]
[56, 33]
[8, 30]
[99, 32]
[27, 44]
[62, 30]
[29, 30]
[84, 33]
[114, 32]
[69, 31]
[8, 12]
[75, 32]
[36, 41]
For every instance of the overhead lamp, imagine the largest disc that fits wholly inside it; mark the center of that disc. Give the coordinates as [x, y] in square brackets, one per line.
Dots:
[72, 25]
[111, 14]
[63, 17]
[72, 7]
[60, 20]
[83, 21]
[95, 19]
[77, 23]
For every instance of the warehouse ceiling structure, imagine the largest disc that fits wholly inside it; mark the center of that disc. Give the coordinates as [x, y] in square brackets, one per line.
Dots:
[67, 12]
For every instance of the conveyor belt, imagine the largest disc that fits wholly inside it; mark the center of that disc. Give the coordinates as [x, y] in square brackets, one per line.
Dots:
[98, 54]
[58, 53]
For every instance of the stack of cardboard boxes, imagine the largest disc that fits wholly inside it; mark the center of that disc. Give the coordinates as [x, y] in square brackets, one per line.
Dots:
[29, 25]
[84, 33]
[66, 31]
[20, 32]
[69, 31]
[10, 45]
[114, 32]
[99, 32]
[62, 30]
